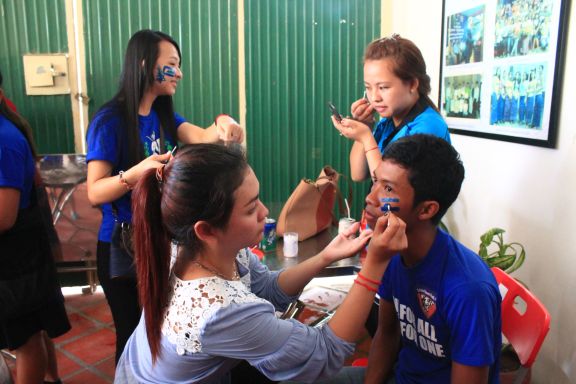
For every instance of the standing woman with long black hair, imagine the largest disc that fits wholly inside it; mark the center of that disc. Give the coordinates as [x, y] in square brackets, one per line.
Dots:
[31, 302]
[131, 133]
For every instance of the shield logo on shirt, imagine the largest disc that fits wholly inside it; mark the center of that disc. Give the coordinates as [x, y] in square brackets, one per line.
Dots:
[427, 302]
[154, 143]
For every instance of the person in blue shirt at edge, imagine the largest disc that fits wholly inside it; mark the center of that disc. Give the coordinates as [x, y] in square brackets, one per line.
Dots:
[26, 331]
[131, 133]
[439, 316]
[217, 304]
[397, 88]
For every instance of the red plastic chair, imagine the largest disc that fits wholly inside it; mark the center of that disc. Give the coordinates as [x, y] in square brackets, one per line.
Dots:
[360, 362]
[526, 328]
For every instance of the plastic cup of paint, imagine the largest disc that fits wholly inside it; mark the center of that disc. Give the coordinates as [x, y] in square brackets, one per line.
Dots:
[344, 224]
[290, 244]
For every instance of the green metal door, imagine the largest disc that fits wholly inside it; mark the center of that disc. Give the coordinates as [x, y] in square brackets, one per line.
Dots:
[300, 54]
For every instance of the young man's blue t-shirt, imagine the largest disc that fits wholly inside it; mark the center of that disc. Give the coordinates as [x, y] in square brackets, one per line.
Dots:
[103, 144]
[17, 165]
[448, 307]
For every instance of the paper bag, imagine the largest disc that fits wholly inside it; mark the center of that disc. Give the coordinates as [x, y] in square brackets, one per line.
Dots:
[309, 209]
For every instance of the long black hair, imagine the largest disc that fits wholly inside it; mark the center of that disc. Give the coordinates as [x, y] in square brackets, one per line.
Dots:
[18, 121]
[137, 76]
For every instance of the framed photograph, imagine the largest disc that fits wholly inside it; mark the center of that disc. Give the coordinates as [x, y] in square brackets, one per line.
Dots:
[501, 68]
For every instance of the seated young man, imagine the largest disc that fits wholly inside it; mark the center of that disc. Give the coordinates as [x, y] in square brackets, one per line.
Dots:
[439, 317]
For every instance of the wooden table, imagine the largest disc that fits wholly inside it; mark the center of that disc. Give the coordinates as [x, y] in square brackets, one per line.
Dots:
[275, 260]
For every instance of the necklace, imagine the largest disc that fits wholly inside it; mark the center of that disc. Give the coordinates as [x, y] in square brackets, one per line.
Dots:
[235, 275]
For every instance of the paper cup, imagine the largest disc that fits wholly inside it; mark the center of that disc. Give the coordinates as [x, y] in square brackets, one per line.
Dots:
[290, 244]
[345, 223]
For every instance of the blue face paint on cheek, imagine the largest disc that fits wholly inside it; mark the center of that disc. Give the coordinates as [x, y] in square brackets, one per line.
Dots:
[160, 75]
[387, 207]
[166, 71]
[169, 71]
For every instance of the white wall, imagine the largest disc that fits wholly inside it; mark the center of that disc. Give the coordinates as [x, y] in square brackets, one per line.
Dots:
[529, 191]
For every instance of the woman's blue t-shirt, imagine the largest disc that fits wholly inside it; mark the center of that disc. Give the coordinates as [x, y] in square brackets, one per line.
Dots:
[421, 119]
[17, 165]
[104, 144]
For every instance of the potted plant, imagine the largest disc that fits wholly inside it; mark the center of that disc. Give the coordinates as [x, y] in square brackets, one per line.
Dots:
[508, 257]
[496, 253]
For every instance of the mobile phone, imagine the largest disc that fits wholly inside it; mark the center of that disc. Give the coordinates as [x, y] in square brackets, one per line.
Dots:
[334, 111]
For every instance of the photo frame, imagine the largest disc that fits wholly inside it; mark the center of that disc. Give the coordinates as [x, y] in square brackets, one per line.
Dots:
[501, 68]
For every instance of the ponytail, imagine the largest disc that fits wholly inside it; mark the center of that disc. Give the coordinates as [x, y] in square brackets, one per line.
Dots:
[152, 255]
[198, 184]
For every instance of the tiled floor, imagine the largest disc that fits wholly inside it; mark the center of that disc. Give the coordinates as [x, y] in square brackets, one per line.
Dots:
[88, 348]
[86, 353]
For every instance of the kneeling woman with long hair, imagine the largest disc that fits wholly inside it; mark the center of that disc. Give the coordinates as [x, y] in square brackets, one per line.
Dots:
[216, 305]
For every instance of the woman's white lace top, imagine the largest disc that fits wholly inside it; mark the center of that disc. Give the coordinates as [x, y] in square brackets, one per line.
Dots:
[211, 323]
[193, 302]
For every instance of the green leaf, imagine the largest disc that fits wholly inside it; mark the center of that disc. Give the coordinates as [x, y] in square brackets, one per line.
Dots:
[505, 248]
[483, 252]
[496, 253]
[488, 236]
[519, 260]
[502, 262]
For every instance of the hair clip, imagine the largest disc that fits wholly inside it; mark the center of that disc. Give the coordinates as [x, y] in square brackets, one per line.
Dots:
[172, 152]
[393, 37]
